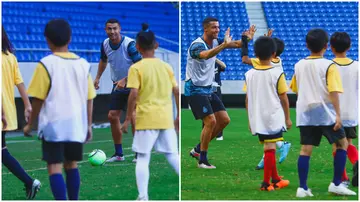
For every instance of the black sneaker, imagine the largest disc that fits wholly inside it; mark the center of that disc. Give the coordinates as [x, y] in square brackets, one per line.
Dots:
[32, 190]
[266, 187]
[355, 179]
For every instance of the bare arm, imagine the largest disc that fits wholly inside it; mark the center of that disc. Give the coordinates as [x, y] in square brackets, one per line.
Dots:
[246, 60]
[36, 106]
[235, 44]
[101, 69]
[131, 103]
[89, 117]
[334, 97]
[90, 111]
[176, 95]
[246, 106]
[212, 52]
[3, 118]
[25, 98]
[285, 105]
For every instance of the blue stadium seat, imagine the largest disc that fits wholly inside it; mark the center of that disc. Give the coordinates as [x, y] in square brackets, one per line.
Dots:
[25, 23]
[291, 25]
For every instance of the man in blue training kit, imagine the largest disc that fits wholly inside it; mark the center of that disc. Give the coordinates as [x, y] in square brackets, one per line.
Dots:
[204, 103]
[120, 52]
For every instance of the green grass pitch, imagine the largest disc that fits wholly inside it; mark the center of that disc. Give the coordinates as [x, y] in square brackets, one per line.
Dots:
[114, 181]
[236, 157]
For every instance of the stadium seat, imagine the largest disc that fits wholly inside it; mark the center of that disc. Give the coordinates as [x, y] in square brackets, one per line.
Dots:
[25, 23]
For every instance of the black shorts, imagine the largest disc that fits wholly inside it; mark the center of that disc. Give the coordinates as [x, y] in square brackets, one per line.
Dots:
[270, 138]
[311, 135]
[119, 99]
[204, 105]
[350, 132]
[3, 142]
[58, 152]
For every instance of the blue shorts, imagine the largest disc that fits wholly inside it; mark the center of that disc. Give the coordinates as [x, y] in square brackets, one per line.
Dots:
[204, 105]
[119, 98]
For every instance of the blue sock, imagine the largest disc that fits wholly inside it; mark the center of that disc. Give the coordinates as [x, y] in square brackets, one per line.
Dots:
[73, 183]
[197, 148]
[118, 149]
[203, 156]
[15, 168]
[58, 186]
[303, 170]
[220, 134]
[339, 165]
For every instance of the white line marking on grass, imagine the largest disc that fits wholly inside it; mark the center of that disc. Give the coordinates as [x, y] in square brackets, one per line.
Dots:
[19, 141]
[84, 154]
[80, 162]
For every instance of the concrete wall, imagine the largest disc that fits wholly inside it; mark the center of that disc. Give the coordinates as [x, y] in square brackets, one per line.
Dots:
[103, 94]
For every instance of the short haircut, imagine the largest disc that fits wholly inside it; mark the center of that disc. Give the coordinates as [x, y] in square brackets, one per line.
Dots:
[316, 40]
[111, 21]
[146, 38]
[207, 20]
[58, 32]
[279, 46]
[340, 41]
[264, 47]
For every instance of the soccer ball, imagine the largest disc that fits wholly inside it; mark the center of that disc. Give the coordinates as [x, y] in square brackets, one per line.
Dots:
[97, 157]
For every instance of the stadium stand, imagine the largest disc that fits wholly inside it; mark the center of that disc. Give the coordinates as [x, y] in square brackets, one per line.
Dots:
[25, 23]
[291, 21]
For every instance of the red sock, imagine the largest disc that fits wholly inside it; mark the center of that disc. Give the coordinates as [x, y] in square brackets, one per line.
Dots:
[268, 164]
[352, 153]
[344, 176]
[275, 176]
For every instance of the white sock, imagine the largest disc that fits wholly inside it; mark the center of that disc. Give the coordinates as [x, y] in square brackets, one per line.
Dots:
[279, 144]
[142, 175]
[173, 159]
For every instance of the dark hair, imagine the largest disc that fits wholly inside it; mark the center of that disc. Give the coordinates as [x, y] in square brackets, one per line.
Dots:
[111, 21]
[207, 20]
[340, 41]
[316, 40]
[58, 31]
[6, 45]
[146, 38]
[279, 46]
[264, 47]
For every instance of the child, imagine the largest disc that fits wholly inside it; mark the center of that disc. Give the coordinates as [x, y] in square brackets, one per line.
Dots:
[11, 76]
[268, 108]
[152, 84]
[284, 147]
[63, 94]
[340, 44]
[317, 83]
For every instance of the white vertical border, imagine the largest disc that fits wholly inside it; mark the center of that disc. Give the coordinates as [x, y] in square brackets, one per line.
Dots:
[180, 89]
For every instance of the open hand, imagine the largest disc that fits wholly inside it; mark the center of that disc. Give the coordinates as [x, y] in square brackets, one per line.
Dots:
[227, 38]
